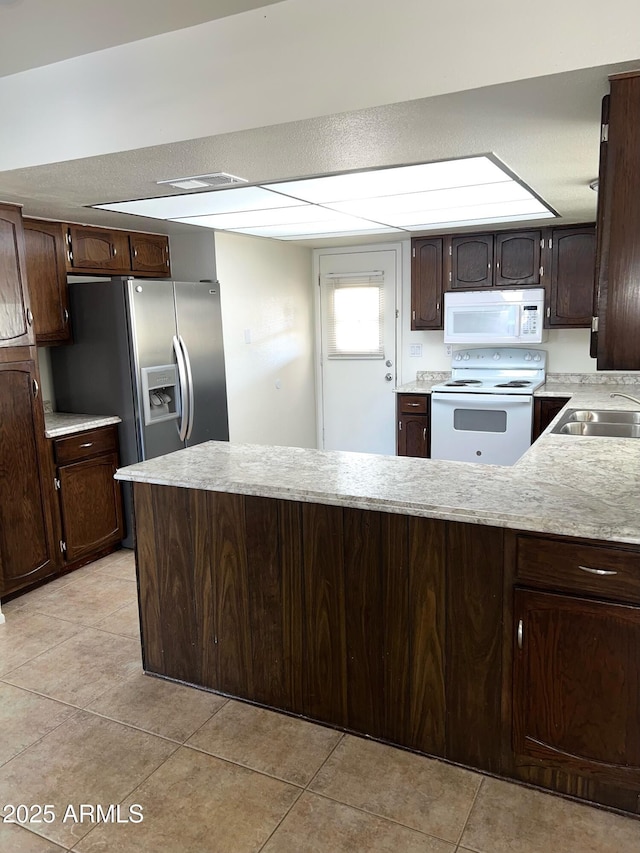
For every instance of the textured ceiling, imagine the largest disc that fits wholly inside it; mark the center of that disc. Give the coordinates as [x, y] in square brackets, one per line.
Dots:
[546, 130]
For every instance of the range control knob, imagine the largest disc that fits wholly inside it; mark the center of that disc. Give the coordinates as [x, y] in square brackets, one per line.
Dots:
[496, 356]
[466, 356]
[537, 357]
[527, 356]
[457, 357]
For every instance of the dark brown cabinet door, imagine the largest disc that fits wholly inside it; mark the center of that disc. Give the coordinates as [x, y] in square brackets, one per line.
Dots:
[27, 550]
[517, 259]
[544, 411]
[47, 277]
[619, 222]
[150, 253]
[16, 319]
[97, 250]
[472, 261]
[413, 435]
[572, 276]
[427, 283]
[91, 506]
[576, 699]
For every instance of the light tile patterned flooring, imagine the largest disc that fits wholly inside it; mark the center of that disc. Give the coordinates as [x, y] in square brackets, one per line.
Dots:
[80, 723]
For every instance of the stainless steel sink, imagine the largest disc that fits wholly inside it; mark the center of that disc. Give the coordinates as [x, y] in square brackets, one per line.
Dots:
[597, 416]
[611, 430]
[598, 422]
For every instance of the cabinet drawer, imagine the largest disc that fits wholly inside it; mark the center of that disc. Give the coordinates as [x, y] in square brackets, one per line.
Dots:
[567, 566]
[412, 404]
[83, 445]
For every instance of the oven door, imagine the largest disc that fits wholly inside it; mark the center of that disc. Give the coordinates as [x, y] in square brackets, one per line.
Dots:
[493, 429]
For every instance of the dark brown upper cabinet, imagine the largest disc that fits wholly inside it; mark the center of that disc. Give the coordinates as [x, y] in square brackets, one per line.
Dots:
[505, 259]
[471, 261]
[96, 249]
[16, 318]
[618, 317]
[100, 251]
[427, 282]
[47, 277]
[517, 259]
[149, 253]
[573, 258]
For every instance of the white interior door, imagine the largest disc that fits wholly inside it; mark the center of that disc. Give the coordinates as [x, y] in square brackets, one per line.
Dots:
[358, 349]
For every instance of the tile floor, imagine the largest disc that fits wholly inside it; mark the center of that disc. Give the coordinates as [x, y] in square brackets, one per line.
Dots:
[81, 724]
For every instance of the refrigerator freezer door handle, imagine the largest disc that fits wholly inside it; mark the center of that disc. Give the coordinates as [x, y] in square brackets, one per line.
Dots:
[187, 362]
[182, 375]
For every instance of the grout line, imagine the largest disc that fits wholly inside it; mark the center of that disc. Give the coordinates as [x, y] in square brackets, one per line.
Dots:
[243, 766]
[62, 847]
[280, 822]
[315, 775]
[42, 737]
[475, 799]
[81, 629]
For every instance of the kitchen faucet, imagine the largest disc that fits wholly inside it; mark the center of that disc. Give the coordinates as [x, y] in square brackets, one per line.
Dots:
[627, 396]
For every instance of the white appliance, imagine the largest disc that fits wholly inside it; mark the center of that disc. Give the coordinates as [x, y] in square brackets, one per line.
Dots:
[494, 317]
[484, 413]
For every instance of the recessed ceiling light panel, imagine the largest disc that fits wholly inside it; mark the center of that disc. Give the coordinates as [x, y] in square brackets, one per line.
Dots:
[425, 196]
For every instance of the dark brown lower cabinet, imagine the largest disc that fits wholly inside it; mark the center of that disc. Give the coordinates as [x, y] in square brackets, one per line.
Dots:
[27, 543]
[404, 629]
[544, 411]
[413, 433]
[576, 693]
[90, 500]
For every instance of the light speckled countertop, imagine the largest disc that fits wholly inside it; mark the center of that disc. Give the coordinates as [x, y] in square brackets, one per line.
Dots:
[57, 424]
[569, 485]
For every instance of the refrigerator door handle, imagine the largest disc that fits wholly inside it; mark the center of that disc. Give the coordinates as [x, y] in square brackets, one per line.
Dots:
[187, 362]
[184, 399]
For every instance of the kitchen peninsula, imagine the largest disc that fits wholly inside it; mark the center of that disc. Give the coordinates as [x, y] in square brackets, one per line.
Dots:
[482, 614]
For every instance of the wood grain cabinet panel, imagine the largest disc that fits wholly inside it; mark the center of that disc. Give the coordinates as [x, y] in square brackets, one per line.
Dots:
[572, 277]
[90, 500]
[427, 282]
[576, 678]
[618, 343]
[47, 277]
[91, 506]
[471, 261]
[413, 418]
[149, 253]
[16, 318]
[27, 549]
[517, 259]
[97, 249]
[545, 410]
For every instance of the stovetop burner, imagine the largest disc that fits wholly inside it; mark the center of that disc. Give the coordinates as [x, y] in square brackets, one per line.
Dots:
[457, 383]
[515, 383]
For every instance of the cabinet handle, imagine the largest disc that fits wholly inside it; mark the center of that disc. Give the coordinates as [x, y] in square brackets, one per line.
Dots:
[135, 253]
[87, 444]
[29, 317]
[413, 404]
[115, 251]
[65, 314]
[399, 426]
[520, 633]
[36, 387]
[424, 434]
[597, 571]
[437, 306]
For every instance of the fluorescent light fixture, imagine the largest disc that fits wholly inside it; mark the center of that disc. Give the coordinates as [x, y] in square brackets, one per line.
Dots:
[403, 179]
[204, 203]
[393, 200]
[213, 179]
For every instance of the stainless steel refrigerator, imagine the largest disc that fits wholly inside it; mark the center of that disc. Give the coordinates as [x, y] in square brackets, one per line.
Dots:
[151, 352]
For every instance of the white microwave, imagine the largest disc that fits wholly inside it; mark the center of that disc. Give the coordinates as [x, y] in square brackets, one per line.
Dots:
[494, 317]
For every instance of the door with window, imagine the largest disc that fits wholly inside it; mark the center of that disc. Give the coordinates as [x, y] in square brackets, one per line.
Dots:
[358, 349]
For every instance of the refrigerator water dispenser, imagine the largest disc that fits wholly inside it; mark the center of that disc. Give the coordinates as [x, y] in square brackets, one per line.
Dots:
[159, 393]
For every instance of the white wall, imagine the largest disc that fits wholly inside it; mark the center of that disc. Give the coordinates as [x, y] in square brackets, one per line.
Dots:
[294, 60]
[267, 298]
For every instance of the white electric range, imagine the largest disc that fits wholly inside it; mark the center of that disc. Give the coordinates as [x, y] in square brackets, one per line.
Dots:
[484, 412]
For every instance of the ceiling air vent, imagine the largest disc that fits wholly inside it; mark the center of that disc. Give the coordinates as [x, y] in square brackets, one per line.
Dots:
[199, 182]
